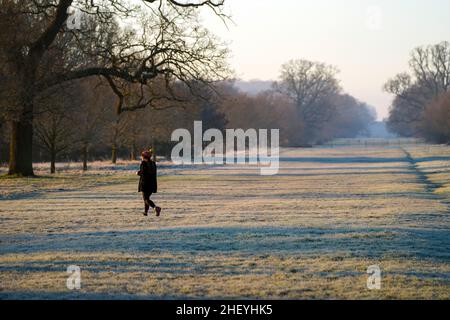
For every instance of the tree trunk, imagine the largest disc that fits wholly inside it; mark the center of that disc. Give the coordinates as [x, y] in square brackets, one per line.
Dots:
[114, 141]
[85, 155]
[153, 150]
[21, 144]
[133, 152]
[52, 161]
[114, 153]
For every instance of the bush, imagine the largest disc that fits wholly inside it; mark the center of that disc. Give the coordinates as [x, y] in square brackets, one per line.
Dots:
[435, 126]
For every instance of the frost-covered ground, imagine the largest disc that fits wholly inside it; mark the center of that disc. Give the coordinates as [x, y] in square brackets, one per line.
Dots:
[226, 232]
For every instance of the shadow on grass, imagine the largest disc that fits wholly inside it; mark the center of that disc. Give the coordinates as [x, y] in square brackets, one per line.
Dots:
[80, 295]
[429, 244]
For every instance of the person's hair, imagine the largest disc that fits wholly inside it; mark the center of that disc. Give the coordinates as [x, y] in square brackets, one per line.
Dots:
[146, 155]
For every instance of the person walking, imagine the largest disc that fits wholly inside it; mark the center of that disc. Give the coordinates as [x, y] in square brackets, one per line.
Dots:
[148, 181]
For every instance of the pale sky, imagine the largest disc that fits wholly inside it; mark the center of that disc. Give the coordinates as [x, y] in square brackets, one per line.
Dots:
[368, 40]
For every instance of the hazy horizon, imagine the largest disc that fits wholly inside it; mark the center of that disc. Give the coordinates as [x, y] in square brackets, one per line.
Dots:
[368, 41]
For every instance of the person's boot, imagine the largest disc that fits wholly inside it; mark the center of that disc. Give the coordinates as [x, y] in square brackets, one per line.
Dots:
[157, 211]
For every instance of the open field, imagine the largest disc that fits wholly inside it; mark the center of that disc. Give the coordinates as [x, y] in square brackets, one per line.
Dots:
[226, 232]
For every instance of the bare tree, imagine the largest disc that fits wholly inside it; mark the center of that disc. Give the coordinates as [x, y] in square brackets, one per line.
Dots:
[54, 129]
[94, 103]
[270, 109]
[135, 132]
[54, 133]
[119, 128]
[169, 44]
[310, 85]
[428, 78]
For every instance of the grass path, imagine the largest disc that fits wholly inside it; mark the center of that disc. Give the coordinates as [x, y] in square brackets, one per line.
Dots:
[226, 232]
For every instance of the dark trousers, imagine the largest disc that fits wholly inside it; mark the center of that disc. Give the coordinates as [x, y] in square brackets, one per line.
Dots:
[147, 202]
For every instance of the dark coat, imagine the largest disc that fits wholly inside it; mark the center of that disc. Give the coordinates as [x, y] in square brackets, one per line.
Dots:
[147, 180]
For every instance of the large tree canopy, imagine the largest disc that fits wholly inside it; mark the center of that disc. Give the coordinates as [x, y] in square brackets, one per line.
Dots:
[152, 44]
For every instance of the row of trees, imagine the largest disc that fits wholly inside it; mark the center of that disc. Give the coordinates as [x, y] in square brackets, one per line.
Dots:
[421, 107]
[307, 104]
[321, 109]
[78, 122]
